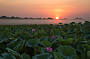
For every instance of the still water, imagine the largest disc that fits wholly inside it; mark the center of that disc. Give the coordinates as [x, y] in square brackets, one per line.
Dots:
[29, 21]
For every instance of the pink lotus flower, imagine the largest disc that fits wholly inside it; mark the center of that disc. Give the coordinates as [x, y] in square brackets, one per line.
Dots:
[49, 49]
[33, 30]
[53, 37]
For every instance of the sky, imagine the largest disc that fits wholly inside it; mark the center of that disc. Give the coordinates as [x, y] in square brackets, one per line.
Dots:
[45, 8]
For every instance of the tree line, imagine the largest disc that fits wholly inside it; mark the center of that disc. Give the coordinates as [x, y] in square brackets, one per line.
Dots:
[14, 17]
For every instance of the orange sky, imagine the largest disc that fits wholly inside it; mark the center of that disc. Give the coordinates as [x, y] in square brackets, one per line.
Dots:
[45, 8]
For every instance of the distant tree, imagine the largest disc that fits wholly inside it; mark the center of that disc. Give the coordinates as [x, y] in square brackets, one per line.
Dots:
[25, 18]
[4, 17]
[44, 18]
[30, 18]
[49, 18]
[18, 18]
[39, 18]
[12, 17]
[78, 18]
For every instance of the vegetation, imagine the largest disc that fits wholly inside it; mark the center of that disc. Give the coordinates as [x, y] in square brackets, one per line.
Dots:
[14, 17]
[68, 41]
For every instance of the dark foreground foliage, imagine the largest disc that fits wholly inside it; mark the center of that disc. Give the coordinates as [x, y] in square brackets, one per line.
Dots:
[68, 41]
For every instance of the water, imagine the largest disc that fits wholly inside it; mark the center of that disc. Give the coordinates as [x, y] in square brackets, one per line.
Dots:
[29, 21]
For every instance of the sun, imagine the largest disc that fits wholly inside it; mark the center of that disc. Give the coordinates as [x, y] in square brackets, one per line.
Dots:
[57, 17]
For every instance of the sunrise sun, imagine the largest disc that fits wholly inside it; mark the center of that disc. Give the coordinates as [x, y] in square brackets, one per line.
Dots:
[57, 17]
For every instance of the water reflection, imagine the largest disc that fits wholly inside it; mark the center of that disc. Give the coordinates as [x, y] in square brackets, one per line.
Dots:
[56, 21]
[17, 22]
